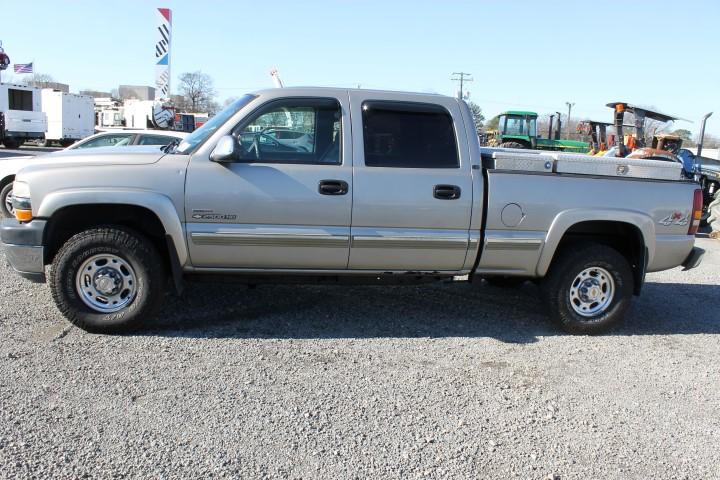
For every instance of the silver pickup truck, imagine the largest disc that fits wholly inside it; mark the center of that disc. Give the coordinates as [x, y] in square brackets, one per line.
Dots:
[311, 184]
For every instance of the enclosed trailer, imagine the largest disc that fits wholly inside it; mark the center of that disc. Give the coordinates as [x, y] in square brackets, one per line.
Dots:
[70, 117]
[21, 115]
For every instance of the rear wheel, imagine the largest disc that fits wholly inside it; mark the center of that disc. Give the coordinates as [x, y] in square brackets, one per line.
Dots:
[66, 143]
[7, 210]
[107, 279]
[12, 142]
[589, 288]
[512, 145]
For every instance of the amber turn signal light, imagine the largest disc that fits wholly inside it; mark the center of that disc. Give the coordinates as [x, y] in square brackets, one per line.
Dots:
[23, 215]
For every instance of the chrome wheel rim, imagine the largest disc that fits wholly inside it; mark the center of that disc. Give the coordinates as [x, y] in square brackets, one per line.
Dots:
[592, 291]
[106, 283]
[8, 203]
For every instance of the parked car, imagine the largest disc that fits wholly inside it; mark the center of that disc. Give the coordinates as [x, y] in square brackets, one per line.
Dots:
[395, 188]
[117, 138]
[292, 138]
[10, 167]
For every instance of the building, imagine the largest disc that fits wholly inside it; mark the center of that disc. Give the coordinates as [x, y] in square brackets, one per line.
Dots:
[136, 92]
[96, 94]
[62, 87]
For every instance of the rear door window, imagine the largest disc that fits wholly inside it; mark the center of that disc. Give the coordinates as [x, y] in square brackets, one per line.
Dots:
[408, 135]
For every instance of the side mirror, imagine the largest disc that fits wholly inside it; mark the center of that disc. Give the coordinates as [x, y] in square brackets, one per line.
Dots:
[225, 151]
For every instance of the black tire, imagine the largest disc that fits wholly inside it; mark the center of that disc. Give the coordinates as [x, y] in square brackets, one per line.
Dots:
[512, 145]
[571, 261]
[5, 193]
[12, 142]
[129, 246]
[505, 282]
[66, 143]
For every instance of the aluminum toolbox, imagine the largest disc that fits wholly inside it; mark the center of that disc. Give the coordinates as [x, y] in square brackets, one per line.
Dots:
[557, 162]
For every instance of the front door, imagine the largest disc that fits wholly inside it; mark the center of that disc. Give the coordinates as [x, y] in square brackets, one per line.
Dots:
[412, 186]
[286, 203]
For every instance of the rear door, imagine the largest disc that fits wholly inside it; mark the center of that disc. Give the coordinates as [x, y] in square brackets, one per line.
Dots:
[412, 186]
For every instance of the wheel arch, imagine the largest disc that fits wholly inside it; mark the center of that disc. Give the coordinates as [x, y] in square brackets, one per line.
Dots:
[6, 180]
[630, 233]
[151, 214]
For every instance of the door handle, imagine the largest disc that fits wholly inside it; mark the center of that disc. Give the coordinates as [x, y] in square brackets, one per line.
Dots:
[332, 187]
[446, 192]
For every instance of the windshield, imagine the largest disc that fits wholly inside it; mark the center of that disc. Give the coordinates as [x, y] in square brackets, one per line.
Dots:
[201, 134]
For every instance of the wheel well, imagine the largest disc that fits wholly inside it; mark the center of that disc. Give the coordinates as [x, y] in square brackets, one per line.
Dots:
[74, 219]
[623, 237]
[6, 180]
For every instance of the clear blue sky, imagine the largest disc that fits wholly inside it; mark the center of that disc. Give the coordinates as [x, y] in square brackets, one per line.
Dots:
[522, 54]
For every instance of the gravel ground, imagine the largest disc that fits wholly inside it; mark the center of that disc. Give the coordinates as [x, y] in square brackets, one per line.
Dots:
[433, 381]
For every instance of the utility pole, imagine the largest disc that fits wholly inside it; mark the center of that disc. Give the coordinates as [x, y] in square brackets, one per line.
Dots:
[569, 105]
[460, 77]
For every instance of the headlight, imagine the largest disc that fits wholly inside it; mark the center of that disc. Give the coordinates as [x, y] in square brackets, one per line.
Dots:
[21, 201]
[21, 189]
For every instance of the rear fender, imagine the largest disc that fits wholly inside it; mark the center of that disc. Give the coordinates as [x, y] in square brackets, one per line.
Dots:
[564, 220]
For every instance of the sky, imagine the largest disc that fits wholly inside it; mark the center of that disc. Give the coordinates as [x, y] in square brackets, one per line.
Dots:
[529, 55]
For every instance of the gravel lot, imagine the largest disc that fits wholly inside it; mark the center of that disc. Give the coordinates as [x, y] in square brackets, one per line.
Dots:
[434, 381]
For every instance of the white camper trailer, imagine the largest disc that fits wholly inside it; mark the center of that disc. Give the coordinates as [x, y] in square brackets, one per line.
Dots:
[21, 115]
[70, 117]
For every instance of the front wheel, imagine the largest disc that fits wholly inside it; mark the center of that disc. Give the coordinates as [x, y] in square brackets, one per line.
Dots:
[589, 288]
[7, 210]
[107, 279]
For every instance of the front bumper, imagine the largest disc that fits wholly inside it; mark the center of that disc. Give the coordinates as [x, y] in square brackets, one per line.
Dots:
[23, 247]
[693, 259]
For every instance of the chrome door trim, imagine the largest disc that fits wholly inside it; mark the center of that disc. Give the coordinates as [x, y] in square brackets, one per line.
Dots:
[512, 243]
[409, 242]
[271, 239]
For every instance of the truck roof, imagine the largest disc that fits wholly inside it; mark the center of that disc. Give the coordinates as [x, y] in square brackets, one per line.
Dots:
[335, 91]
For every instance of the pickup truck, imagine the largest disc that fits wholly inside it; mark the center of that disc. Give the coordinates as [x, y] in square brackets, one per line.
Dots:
[390, 187]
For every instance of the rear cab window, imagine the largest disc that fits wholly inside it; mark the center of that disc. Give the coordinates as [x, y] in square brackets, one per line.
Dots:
[408, 135]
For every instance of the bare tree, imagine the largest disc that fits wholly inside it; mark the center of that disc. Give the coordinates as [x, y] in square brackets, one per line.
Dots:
[198, 92]
[39, 80]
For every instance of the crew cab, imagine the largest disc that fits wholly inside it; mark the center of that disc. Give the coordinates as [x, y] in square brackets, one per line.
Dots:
[393, 187]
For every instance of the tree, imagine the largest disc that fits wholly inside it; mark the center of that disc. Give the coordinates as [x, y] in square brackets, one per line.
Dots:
[493, 123]
[198, 92]
[478, 117]
[683, 133]
[39, 80]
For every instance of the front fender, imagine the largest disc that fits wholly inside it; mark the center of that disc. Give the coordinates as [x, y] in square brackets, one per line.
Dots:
[158, 203]
[566, 219]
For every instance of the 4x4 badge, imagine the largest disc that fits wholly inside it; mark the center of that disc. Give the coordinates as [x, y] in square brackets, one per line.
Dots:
[675, 218]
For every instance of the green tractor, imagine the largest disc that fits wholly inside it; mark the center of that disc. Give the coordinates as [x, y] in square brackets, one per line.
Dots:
[517, 129]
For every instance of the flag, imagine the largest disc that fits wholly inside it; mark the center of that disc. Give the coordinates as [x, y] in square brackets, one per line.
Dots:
[162, 53]
[23, 68]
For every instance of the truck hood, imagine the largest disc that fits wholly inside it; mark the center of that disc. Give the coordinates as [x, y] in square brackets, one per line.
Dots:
[133, 155]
